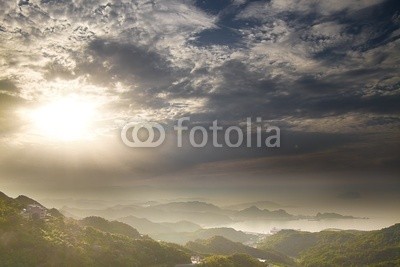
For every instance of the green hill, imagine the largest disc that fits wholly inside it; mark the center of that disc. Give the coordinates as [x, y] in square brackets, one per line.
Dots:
[255, 213]
[236, 260]
[339, 248]
[148, 227]
[184, 237]
[24, 200]
[113, 227]
[222, 246]
[59, 241]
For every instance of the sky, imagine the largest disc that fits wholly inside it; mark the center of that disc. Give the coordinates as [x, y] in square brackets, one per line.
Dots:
[73, 72]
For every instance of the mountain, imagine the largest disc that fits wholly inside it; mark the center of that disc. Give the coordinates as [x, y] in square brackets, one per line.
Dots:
[191, 206]
[255, 213]
[110, 213]
[146, 226]
[222, 246]
[331, 215]
[182, 226]
[24, 200]
[51, 239]
[289, 242]
[59, 241]
[200, 213]
[339, 248]
[229, 233]
[259, 204]
[184, 237]
[113, 227]
[4, 197]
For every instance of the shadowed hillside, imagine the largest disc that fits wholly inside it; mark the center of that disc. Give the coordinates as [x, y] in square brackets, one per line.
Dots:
[339, 248]
[222, 246]
[113, 227]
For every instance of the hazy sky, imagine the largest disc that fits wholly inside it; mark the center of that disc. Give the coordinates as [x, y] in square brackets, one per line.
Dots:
[326, 72]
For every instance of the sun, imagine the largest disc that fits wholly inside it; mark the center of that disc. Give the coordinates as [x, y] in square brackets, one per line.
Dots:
[67, 119]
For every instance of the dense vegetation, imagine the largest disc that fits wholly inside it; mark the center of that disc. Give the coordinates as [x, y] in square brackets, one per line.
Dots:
[339, 248]
[236, 260]
[113, 227]
[58, 241]
[222, 246]
[94, 241]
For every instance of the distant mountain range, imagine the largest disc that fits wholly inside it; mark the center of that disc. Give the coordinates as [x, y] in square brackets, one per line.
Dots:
[148, 227]
[229, 233]
[55, 240]
[189, 206]
[184, 231]
[196, 212]
[332, 215]
[180, 222]
[259, 204]
[200, 213]
[256, 213]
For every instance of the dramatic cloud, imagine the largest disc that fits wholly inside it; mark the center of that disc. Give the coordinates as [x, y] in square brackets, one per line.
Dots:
[321, 70]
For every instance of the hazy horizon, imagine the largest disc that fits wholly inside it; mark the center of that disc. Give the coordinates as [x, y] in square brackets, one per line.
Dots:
[75, 73]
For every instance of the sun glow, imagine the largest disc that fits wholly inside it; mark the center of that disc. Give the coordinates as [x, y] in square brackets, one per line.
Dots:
[65, 119]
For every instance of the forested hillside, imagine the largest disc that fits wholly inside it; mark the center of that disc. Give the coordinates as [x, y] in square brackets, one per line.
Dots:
[31, 238]
[339, 248]
[58, 241]
[219, 245]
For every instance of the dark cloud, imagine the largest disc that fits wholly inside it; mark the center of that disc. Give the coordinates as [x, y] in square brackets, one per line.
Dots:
[375, 104]
[132, 64]
[213, 7]
[313, 94]
[228, 37]
[8, 86]
[325, 72]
